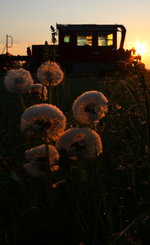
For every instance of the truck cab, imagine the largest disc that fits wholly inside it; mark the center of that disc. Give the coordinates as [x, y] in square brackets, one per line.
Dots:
[90, 47]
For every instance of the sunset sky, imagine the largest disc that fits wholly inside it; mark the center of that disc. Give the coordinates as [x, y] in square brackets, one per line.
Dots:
[28, 21]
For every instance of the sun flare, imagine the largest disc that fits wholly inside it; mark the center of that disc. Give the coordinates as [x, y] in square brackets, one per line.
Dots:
[140, 48]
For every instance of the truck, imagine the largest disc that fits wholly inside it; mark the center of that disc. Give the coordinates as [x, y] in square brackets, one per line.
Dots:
[80, 48]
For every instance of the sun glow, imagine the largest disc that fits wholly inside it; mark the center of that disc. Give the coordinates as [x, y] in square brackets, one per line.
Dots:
[140, 48]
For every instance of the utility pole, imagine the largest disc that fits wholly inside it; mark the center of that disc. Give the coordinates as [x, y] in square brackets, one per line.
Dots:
[9, 42]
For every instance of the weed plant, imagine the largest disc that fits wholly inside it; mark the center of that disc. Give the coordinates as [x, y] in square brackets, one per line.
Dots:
[105, 201]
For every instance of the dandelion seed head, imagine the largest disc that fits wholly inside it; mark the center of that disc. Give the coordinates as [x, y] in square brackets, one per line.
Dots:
[18, 81]
[38, 157]
[43, 119]
[80, 143]
[90, 106]
[50, 73]
[38, 90]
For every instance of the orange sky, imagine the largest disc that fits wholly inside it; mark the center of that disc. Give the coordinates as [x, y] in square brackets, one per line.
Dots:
[29, 21]
[20, 48]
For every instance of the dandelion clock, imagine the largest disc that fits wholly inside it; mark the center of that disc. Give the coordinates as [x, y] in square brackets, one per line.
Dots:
[80, 143]
[37, 157]
[38, 92]
[90, 106]
[18, 81]
[44, 121]
[50, 73]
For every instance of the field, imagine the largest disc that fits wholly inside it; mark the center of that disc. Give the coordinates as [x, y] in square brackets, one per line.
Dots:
[105, 201]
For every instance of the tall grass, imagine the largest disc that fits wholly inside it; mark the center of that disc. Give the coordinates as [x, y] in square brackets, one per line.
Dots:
[103, 201]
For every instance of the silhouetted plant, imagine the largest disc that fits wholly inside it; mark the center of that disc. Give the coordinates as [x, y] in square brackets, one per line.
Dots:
[99, 191]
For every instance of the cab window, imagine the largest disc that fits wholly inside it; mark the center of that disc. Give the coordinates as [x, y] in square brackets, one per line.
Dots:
[84, 39]
[67, 39]
[105, 39]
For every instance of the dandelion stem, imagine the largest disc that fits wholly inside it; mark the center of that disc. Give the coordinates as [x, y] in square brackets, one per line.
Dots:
[134, 179]
[56, 95]
[1, 237]
[48, 171]
[23, 107]
[42, 94]
[48, 176]
[106, 213]
[93, 125]
[50, 93]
